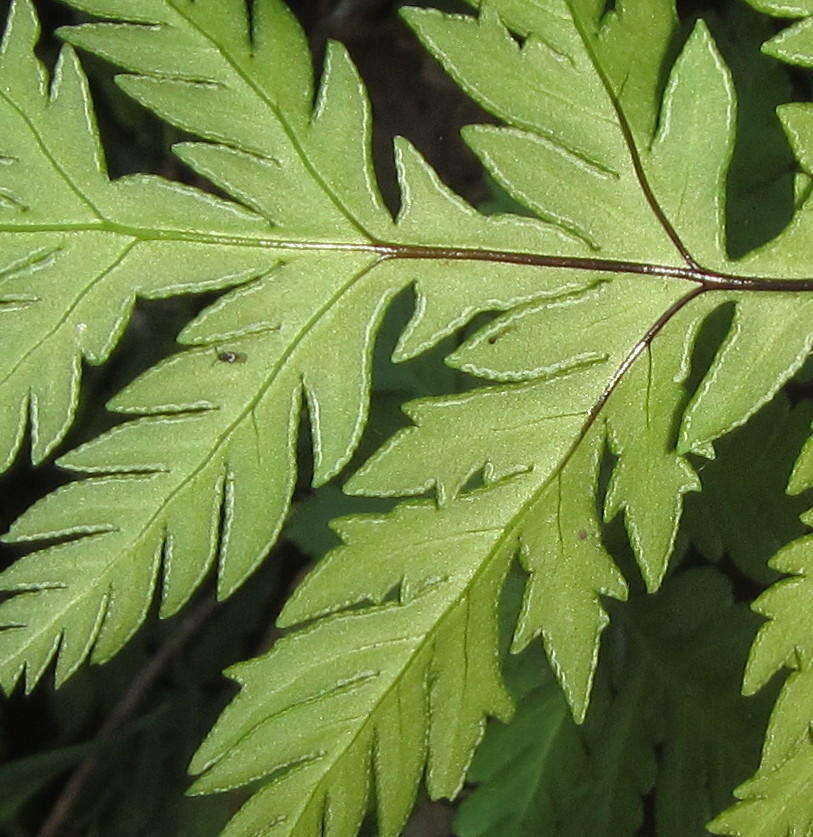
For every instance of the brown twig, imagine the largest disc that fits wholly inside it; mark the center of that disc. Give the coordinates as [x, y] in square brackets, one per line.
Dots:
[129, 702]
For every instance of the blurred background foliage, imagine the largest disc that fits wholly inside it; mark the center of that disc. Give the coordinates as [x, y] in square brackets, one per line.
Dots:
[667, 737]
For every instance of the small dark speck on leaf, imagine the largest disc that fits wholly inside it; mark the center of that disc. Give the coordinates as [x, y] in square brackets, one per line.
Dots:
[231, 357]
[582, 535]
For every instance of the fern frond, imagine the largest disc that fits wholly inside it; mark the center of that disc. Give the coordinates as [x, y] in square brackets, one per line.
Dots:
[204, 477]
[603, 291]
[523, 772]
[676, 178]
[667, 722]
[744, 511]
[777, 800]
[574, 369]
[793, 44]
[668, 717]
[408, 680]
[77, 248]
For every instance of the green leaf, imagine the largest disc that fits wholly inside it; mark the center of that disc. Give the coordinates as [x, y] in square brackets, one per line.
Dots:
[770, 336]
[78, 248]
[181, 489]
[783, 8]
[760, 189]
[539, 492]
[667, 720]
[523, 769]
[594, 305]
[411, 679]
[556, 530]
[743, 511]
[650, 478]
[668, 717]
[777, 800]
